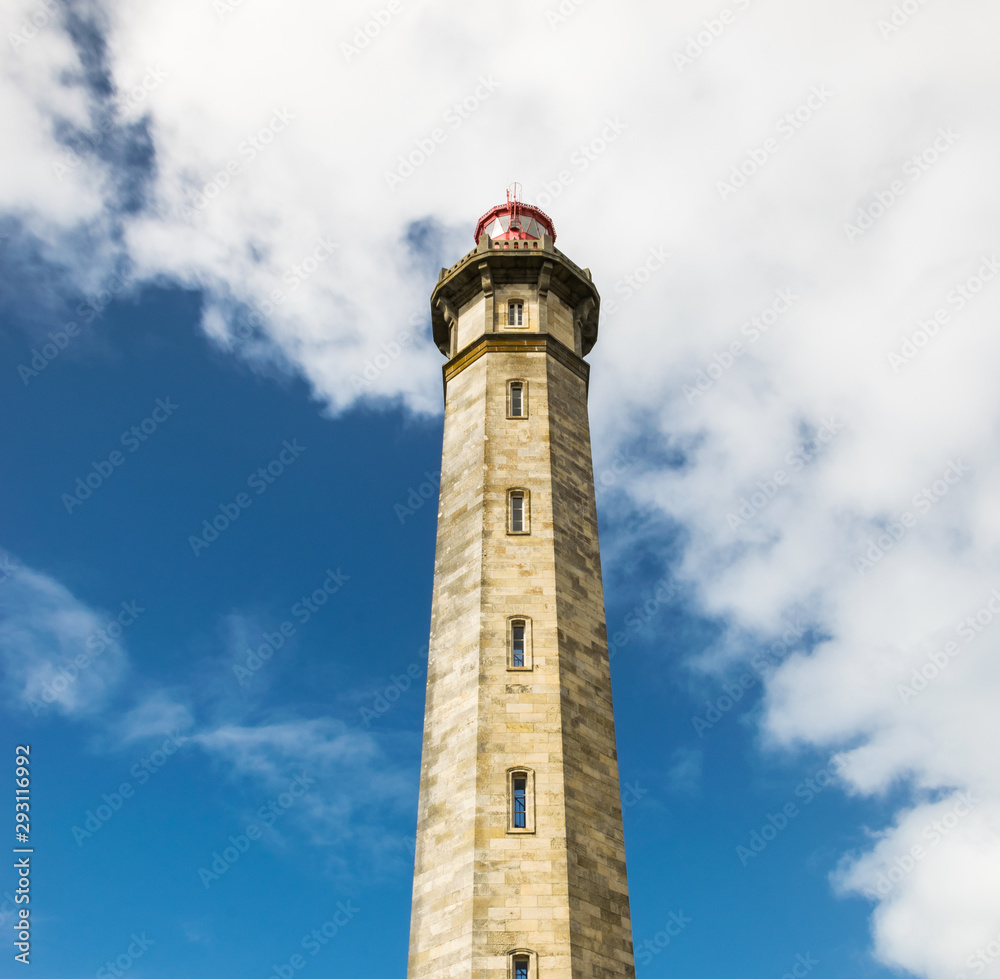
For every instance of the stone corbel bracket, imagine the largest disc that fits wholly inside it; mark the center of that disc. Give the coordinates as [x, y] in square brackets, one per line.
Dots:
[450, 318]
[480, 273]
[585, 323]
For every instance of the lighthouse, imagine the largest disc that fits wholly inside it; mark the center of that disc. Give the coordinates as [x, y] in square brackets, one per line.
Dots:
[520, 856]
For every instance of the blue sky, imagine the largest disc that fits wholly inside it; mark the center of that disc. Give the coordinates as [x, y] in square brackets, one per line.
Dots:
[690, 799]
[220, 223]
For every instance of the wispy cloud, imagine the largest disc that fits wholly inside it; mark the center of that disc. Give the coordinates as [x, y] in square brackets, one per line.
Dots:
[56, 651]
[159, 713]
[354, 785]
[685, 771]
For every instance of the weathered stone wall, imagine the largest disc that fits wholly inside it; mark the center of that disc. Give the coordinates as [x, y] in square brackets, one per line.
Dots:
[481, 890]
[472, 322]
[600, 925]
[443, 883]
[560, 321]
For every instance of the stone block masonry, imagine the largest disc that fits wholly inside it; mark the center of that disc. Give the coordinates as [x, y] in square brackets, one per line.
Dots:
[487, 892]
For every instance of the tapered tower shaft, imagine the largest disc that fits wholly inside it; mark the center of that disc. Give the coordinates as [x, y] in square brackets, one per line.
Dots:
[520, 860]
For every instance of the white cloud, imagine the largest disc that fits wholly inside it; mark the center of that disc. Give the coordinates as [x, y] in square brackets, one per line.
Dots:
[263, 750]
[158, 714]
[347, 775]
[684, 776]
[35, 96]
[656, 184]
[943, 848]
[56, 651]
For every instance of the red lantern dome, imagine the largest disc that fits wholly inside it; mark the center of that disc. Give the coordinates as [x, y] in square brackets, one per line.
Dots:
[515, 221]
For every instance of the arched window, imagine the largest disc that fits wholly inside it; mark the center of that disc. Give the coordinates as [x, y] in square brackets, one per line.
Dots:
[520, 800]
[518, 512]
[517, 399]
[515, 313]
[519, 643]
[520, 797]
[522, 964]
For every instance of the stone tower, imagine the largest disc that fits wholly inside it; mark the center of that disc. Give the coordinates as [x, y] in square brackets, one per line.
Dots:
[520, 856]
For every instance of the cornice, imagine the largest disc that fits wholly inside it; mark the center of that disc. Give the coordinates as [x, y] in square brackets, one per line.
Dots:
[516, 343]
[479, 272]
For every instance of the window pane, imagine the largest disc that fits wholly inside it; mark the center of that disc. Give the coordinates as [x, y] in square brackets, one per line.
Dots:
[520, 802]
[517, 512]
[517, 644]
[515, 400]
[520, 969]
